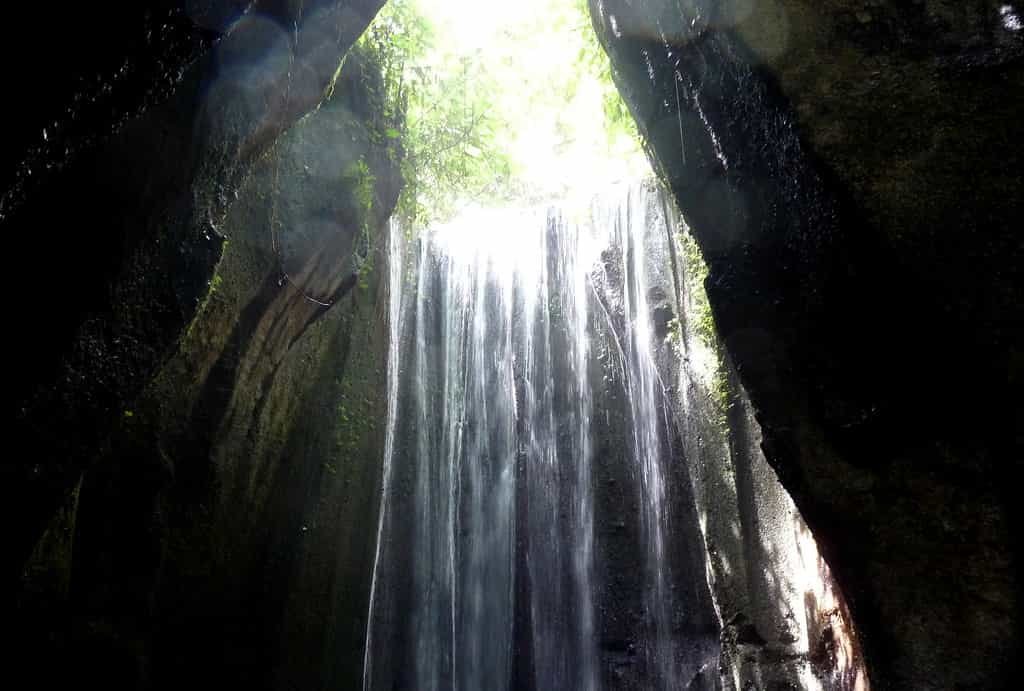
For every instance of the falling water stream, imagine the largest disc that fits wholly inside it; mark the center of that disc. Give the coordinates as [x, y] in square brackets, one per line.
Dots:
[511, 332]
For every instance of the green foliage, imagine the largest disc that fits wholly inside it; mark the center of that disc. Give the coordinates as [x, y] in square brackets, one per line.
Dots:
[454, 154]
[619, 122]
[440, 108]
[504, 114]
[363, 184]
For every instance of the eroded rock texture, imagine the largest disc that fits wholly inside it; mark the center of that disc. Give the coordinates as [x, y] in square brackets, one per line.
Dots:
[118, 211]
[204, 402]
[852, 173]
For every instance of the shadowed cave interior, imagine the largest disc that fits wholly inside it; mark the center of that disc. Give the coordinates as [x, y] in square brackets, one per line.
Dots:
[590, 344]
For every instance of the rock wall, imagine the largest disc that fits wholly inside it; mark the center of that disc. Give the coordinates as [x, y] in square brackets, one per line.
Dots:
[851, 172]
[783, 621]
[229, 411]
[118, 213]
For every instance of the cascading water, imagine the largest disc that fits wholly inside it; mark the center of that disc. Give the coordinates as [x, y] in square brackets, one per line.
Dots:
[527, 540]
[646, 399]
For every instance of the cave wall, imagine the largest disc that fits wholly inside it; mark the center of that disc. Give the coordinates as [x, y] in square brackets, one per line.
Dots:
[850, 169]
[260, 439]
[782, 619]
[206, 416]
[116, 187]
[851, 172]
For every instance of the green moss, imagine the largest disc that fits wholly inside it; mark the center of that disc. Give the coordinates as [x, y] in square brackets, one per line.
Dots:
[699, 309]
[701, 324]
[362, 185]
[675, 333]
[215, 282]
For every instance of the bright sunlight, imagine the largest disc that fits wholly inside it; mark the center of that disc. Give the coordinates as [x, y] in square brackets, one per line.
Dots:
[504, 104]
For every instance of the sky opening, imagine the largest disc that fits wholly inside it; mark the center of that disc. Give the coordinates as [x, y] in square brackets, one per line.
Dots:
[552, 115]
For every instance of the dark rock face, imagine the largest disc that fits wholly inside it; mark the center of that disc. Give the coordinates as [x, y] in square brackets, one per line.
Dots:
[783, 622]
[214, 362]
[852, 173]
[119, 214]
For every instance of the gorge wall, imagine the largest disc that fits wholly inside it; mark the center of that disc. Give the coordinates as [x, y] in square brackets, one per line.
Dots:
[136, 164]
[197, 211]
[204, 411]
[852, 173]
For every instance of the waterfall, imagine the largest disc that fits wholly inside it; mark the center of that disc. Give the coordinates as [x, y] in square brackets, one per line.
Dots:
[527, 538]
[396, 248]
[649, 427]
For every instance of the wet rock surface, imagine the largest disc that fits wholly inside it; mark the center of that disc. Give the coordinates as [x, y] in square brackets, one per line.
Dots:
[224, 414]
[852, 173]
[121, 224]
